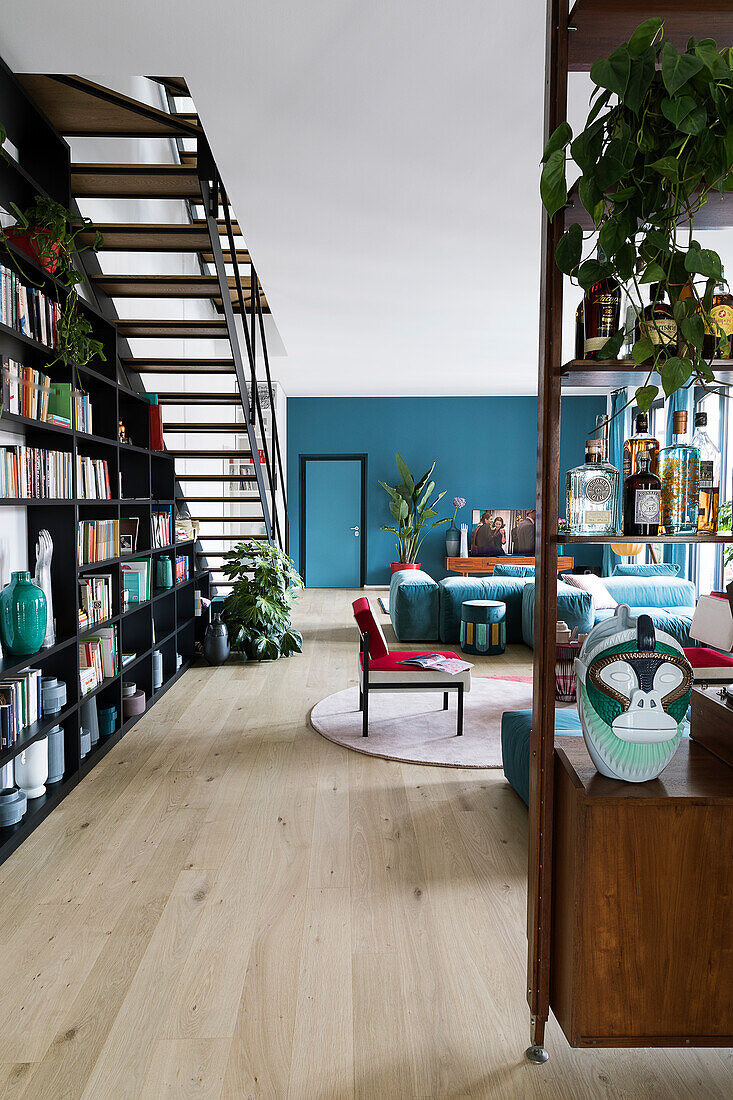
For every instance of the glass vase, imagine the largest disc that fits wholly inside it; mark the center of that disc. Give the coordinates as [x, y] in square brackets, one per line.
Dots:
[22, 616]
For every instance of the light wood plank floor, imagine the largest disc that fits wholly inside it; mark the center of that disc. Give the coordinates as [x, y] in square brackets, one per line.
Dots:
[230, 906]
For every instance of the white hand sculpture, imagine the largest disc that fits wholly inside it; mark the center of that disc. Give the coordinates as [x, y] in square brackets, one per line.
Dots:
[44, 553]
[464, 540]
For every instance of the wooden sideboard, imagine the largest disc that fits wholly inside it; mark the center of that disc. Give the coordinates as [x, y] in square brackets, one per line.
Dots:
[468, 566]
[642, 905]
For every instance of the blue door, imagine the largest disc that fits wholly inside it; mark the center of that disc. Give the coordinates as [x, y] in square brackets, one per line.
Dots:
[331, 546]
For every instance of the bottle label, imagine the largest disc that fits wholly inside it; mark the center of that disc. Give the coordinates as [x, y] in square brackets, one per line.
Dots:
[722, 318]
[597, 517]
[598, 489]
[647, 505]
[706, 475]
[662, 331]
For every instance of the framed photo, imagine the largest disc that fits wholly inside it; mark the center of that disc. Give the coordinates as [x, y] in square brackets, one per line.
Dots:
[503, 532]
[128, 534]
[127, 544]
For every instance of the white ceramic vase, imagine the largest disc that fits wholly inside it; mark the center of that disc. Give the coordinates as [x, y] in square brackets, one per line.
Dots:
[464, 540]
[31, 769]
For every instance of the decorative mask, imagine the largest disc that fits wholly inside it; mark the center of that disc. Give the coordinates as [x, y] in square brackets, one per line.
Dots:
[634, 686]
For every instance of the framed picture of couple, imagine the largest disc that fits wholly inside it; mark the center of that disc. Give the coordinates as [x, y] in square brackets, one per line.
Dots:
[499, 533]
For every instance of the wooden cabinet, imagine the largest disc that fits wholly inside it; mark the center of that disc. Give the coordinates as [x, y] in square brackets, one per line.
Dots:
[642, 909]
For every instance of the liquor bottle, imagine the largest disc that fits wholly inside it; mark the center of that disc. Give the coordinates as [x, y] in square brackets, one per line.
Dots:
[601, 314]
[657, 323]
[721, 316]
[579, 332]
[592, 494]
[679, 470]
[640, 441]
[642, 497]
[709, 499]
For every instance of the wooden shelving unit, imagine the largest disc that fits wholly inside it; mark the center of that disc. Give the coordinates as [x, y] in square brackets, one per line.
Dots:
[166, 621]
[589, 836]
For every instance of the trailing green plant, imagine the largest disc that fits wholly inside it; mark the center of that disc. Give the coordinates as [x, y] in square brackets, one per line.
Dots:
[55, 234]
[258, 609]
[75, 344]
[657, 143]
[725, 523]
[411, 508]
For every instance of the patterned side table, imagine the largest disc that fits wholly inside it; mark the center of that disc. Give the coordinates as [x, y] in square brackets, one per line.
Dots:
[483, 627]
[565, 683]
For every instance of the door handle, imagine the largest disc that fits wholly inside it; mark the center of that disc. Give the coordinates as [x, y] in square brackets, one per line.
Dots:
[356, 531]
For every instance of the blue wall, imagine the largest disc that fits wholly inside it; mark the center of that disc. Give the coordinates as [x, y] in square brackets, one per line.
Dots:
[485, 449]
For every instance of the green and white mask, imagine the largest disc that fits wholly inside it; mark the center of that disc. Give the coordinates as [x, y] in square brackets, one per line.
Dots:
[634, 686]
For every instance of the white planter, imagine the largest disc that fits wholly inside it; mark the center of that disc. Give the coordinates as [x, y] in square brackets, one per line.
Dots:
[31, 769]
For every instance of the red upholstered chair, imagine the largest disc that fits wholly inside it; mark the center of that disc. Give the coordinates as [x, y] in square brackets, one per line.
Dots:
[380, 670]
[712, 624]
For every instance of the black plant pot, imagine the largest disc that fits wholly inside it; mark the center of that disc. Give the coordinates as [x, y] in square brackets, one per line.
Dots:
[216, 642]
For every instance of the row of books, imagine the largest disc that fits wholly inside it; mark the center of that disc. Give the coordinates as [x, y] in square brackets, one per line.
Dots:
[95, 599]
[136, 579]
[92, 478]
[97, 540]
[97, 659]
[27, 309]
[181, 569]
[162, 528]
[28, 472]
[30, 393]
[20, 704]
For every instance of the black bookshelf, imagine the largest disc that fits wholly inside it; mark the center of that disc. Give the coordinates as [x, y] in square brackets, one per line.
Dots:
[166, 621]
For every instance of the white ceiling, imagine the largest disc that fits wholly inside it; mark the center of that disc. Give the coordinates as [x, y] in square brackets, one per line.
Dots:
[382, 159]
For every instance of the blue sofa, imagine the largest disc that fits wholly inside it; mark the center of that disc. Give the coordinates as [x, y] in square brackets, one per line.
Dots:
[423, 610]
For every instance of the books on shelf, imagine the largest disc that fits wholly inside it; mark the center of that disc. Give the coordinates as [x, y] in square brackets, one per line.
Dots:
[162, 528]
[30, 393]
[97, 659]
[97, 540]
[20, 704]
[27, 309]
[95, 599]
[136, 581]
[181, 568]
[92, 478]
[32, 472]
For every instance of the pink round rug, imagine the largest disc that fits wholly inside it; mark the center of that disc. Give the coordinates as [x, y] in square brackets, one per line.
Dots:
[414, 729]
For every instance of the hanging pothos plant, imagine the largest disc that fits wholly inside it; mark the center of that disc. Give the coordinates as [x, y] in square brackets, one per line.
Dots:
[657, 143]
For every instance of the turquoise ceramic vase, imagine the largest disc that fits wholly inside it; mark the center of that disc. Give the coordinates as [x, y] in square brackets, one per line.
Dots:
[164, 573]
[22, 616]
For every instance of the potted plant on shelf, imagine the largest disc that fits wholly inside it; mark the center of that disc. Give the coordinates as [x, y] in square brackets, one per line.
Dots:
[656, 147]
[412, 508]
[453, 535]
[49, 234]
[259, 607]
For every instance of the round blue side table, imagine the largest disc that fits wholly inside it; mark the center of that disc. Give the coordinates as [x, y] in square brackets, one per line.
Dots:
[483, 627]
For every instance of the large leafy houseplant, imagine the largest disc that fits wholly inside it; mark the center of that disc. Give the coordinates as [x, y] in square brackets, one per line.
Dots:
[657, 144]
[411, 508]
[259, 607]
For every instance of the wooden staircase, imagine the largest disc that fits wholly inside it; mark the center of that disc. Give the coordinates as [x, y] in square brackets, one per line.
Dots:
[223, 435]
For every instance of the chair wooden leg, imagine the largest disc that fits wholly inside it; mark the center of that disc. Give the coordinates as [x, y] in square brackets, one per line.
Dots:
[459, 731]
[445, 700]
[365, 715]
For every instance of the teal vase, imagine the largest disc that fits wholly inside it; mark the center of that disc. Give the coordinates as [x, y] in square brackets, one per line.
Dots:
[164, 574]
[22, 616]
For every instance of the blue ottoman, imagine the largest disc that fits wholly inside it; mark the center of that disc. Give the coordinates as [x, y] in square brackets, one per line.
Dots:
[414, 606]
[483, 627]
[516, 726]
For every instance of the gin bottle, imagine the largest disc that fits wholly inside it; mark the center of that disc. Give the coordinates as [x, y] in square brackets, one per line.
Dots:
[592, 494]
[679, 470]
[641, 496]
[709, 499]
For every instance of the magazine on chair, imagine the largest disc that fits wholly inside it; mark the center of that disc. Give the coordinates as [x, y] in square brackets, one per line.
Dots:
[436, 662]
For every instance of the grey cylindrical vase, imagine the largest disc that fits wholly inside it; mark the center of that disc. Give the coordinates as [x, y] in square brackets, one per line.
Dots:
[56, 755]
[86, 743]
[13, 802]
[157, 669]
[53, 695]
[90, 718]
